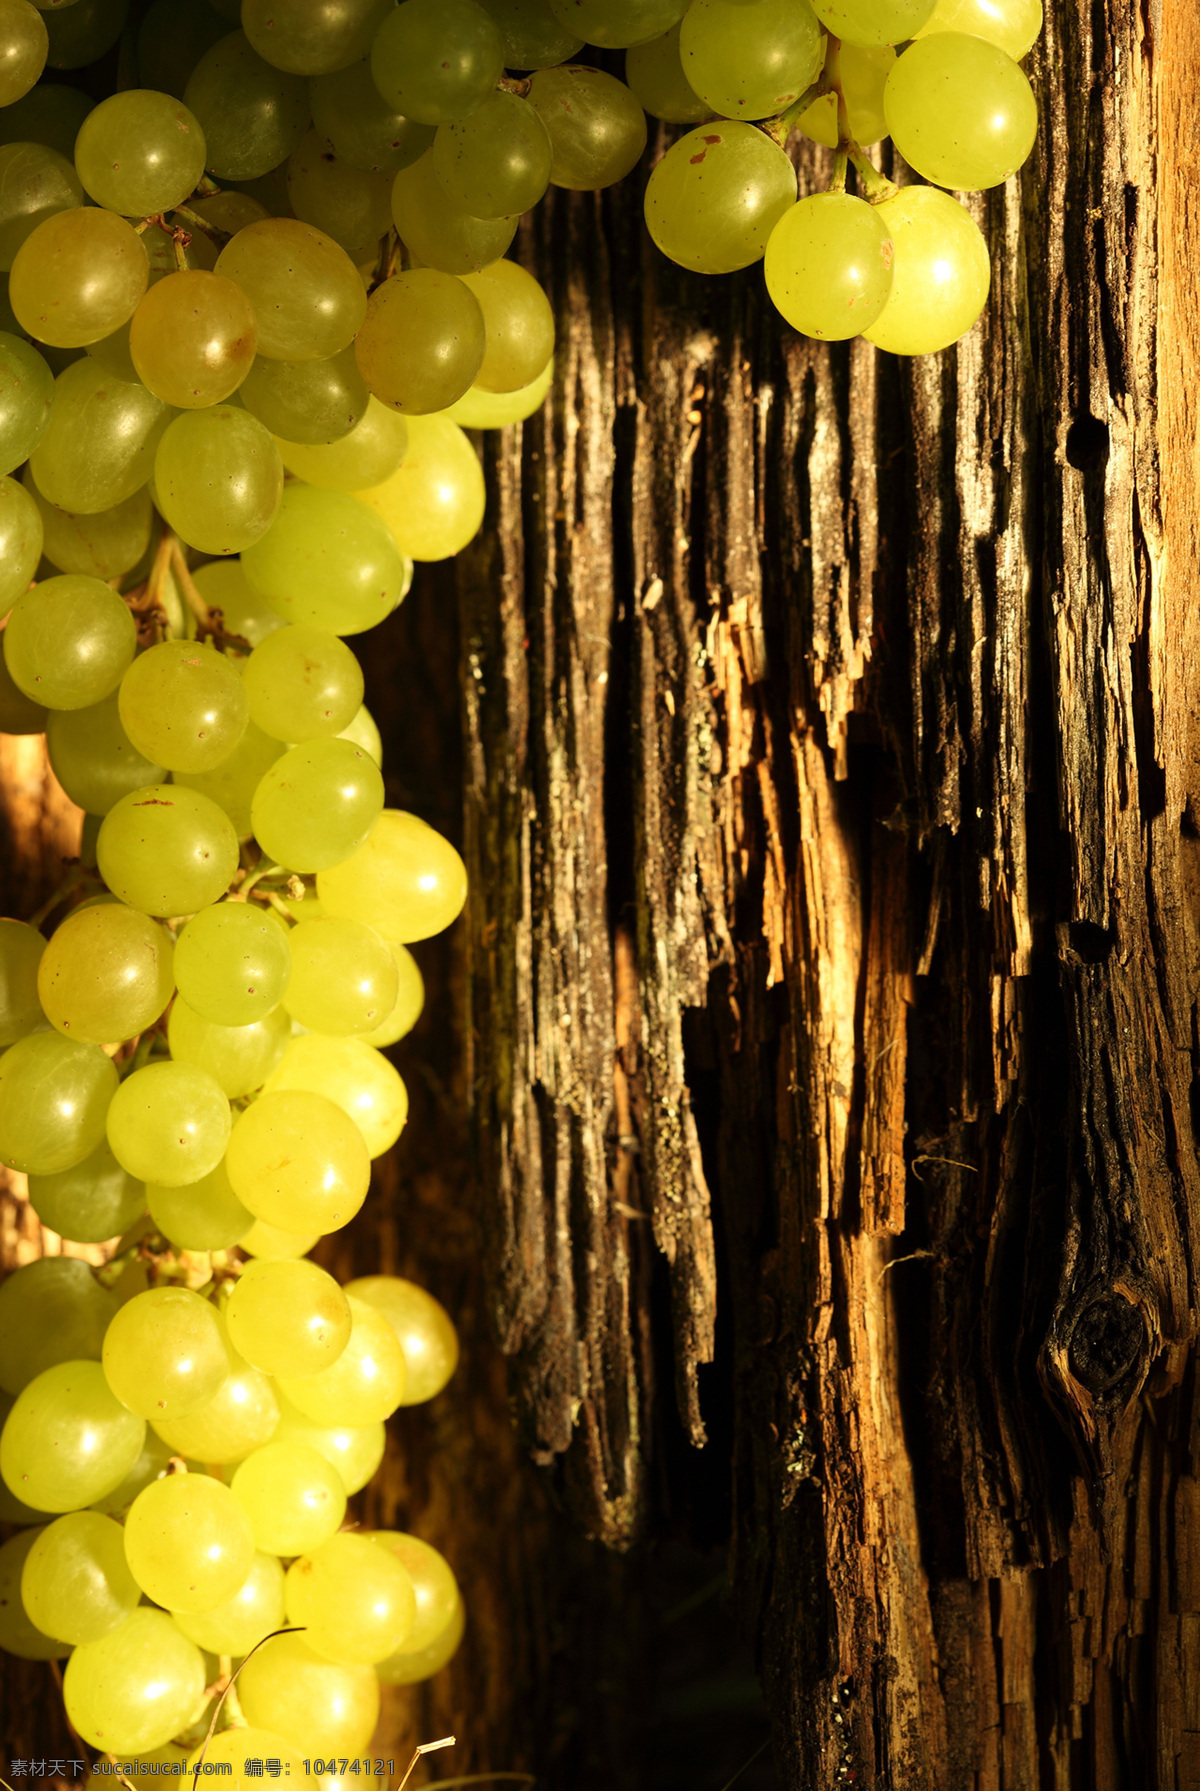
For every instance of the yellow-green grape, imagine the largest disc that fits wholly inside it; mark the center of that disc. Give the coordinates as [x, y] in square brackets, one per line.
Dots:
[171, 39]
[288, 1317]
[615, 24]
[21, 538]
[54, 1095]
[347, 203]
[312, 40]
[872, 23]
[437, 60]
[654, 75]
[422, 343]
[940, 273]
[24, 42]
[433, 504]
[76, 1583]
[52, 1310]
[68, 641]
[360, 730]
[241, 1623]
[829, 266]
[496, 161]
[182, 705]
[317, 401]
[12, 1510]
[305, 289]
[151, 1464]
[410, 999]
[35, 183]
[1013, 25]
[317, 804]
[405, 881]
[270, 1243]
[100, 546]
[21, 949]
[26, 397]
[232, 783]
[531, 34]
[327, 561]
[252, 115]
[478, 409]
[169, 1123]
[412, 1666]
[241, 1416]
[440, 234]
[55, 300]
[365, 1384]
[139, 152]
[238, 1058]
[203, 1215]
[166, 850]
[232, 963]
[302, 683]
[93, 757]
[960, 111]
[90, 1203]
[188, 1542]
[193, 338]
[165, 1354]
[353, 117]
[597, 128]
[423, 1326]
[519, 326]
[343, 977]
[368, 455]
[224, 586]
[106, 974]
[138, 1685]
[750, 70]
[354, 1450]
[18, 1635]
[50, 114]
[238, 1754]
[68, 1439]
[434, 1585]
[82, 31]
[325, 1708]
[100, 446]
[360, 1079]
[862, 74]
[218, 478]
[353, 1597]
[292, 1496]
[298, 1162]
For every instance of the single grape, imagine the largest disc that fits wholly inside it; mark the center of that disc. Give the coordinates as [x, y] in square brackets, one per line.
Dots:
[84, 30]
[829, 266]
[323, 1707]
[365, 1384]
[478, 409]
[21, 538]
[328, 562]
[138, 1685]
[241, 1416]
[352, 115]
[519, 326]
[317, 401]
[166, 850]
[68, 1440]
[615, 24]
[224, 586]
[440, 234]
[654, 75]
[343, 977]
[434, 1585]
[169, 1123]
[422, 342]
[35, 183]
[960, 111]
[410, 999]
[100, 446]
[423, 1327]
[349, 204]
[49, 297]
[102, 545]
[360, 1079]
[232, 783]
[238, 1058]
[496, 161]
[412, 1666]
[288, 1317]
[232, 963]
[597, 128]
[203, 1215]
[54, 1095]
[753, 72]
[437, 60]
[317, 804]
[52, 1310]
[368, 455]
[302, 683]
[164, 1353]
[182, 704]
[940, 273]
[140, 152]
[218, 478]
[253, 1612]
[49, 114]
[292, 1496]
[106, 973]
[405, 881]
[172, 37]
[872, 23]
[90, 1203]
[353, 1596]
[76, 1583]
[355, 1451]
[94, 759]
[24, 43]
[298, 1162]
[26, 397]
[434, 503]
[313, 40]
[862, 75]
[1013, 25]
[68, 641]
[533, 37]
[192, 339]
[251, 114]
[305, 289]
[21, 949]
[272, 1244]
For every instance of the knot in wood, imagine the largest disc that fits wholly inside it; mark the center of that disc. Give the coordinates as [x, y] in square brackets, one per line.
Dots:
[1108, 1342]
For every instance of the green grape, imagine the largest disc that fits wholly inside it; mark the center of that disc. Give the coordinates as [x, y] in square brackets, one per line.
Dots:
[410, 999]
[365, 1384]
[100, 446]
[164, 1352]
[532, 36]
[288, 1317]
[347, 203]
[76, 1583]
[519, 325]
[166, 850]
[1013, 25]
[21, 949]
[90, 1203]
[232, 963]
[238, 1058]
[183, 705]
[597, 128]
[138, 1685]
[872, 23]
[106, 973]
[438, 233]
[436, 60]
[363, 131]
[412, 1666]
[203, 1215]
[654, 75]
[140, 152]
[218, 478]
[242, 1622]
[751, 71]
[54, 1095]
[297, 1161]
[68, 641]
[314, 40]
[305, 289]
[940, 274]
[317, 804]
[368, 455]
[434, 1585]
[616, 24]
[355, 1451]
[24, 42]
[49, 114]
[252, 115]
[275, 1245]
[192, 339]
[360, 1079]
[434, 503]
[68, 1440]
[94, 759]
[960, 111]
[302, 683]
[18, 714]
[172, 38]
[360, 730]
[224, 586]
[343, 977]
[240, 1417]
[328, 562]
[169, 1123]
[829, 266]
[50, 296]
[17, 1634]
[353, 1597]
[324, 1708]
[406, 881]
[243, 1751]
[422, 342]
[103, 545]
[151, 1464]
[496, 162]
[52, 1310]
[81, 32]
[478, 409]
[26, 395]
[423, 1328]
[21, 536]
[232, 783]
[862, 75]
[35, 183]
[292, 1496]
[317, 401]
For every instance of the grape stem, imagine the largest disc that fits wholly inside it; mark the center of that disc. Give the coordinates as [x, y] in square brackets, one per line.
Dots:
[425, 1747]
[876, 187]
[214, 235]
[264, 870]
[206, 188]
[514, 84]
[781, 128]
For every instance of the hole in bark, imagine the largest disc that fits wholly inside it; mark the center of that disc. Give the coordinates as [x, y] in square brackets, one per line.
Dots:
[1106, 1342]
[1091, 943]
[1087, 443]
